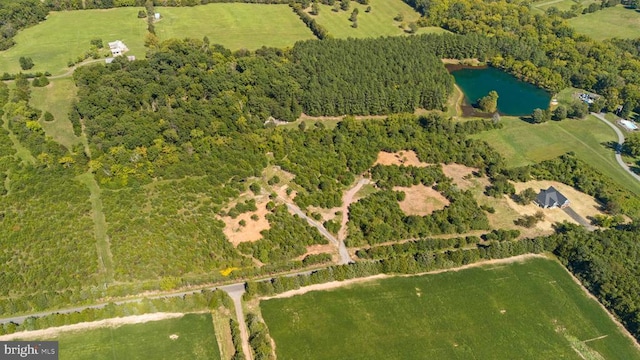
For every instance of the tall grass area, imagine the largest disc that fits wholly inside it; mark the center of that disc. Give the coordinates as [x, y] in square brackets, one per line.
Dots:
[608, 23]
[522, 143]
[56, 98]
[150, 340]
[236, 26]
[66, 35]
[379, 22]
[530, 310]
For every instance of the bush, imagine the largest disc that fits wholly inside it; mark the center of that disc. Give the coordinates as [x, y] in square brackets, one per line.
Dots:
[26, 63]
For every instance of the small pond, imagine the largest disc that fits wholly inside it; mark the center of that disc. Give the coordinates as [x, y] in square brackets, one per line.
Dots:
[515, 97]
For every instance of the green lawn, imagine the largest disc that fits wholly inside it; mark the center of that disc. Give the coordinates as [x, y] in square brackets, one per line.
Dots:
[56, 98]
[235, 26]
[379, 22]
[608, 23]
[562, 5]
[66, 35]
[530, 310]
[196, 340]
[522, 143]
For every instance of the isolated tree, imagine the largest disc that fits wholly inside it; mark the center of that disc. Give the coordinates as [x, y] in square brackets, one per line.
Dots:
[413, 27]
[354, 15]
[97, 43]
[399, 17]
[578, 110]
[539, 116]
[26, 63]
[489, 103]
[560, 113]
[368, 10]
[355, 24]
[142, 14]
[345, 4]
[526, 196]
[315, 8]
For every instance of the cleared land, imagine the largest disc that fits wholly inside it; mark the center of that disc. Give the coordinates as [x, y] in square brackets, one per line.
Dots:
[379, 22]
[562, 5]
[237, 233]
[66, 35]
[459, 174]
[522, 143]
[531, 310]
[56, 98]
[150, 340]
[608, 23]
[421, 200]
[236, 26]
[403, 158]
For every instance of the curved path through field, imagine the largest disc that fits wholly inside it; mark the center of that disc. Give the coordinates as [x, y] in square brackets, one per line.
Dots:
[619, 147]
[347, 199]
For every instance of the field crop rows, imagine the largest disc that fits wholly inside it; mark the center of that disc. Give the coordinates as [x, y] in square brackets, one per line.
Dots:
[531, 310]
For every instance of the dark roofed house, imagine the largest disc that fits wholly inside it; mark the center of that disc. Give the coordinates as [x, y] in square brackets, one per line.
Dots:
[551, 198]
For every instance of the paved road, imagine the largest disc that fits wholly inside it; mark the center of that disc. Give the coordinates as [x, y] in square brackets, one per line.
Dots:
[619, 147]
[575, 216]
[236, 291]
[342, 250]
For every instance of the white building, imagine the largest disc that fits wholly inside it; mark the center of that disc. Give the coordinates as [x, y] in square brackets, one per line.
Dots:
[117, 48]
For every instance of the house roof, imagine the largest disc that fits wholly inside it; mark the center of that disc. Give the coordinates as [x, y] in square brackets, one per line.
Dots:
[551, 197]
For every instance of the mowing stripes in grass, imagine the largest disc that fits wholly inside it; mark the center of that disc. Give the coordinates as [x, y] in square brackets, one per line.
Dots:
[530, 310]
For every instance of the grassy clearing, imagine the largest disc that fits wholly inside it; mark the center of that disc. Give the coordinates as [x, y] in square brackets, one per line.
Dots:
[56, 98]
[150, 340]
[562, 5]
[379, 22]
[522, 143]
[608, 23]
[235, 26]
[105, 259]
[530, 310]
[66, 35]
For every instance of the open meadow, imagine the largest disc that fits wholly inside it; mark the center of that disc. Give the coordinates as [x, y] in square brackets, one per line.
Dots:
[66, 35]
[522, 143]
[189, 337]
[236, 26]
[56, 98]
[562, 5]
[529, 310]
[608, 23]
[379, 22]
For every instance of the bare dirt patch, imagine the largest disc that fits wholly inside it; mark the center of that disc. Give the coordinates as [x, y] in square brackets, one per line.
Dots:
[320, 249]
[421, 200]
[114, 322]
[402, 158]
[251, 231]
[583, 204]
[551, 216]
[459, 174]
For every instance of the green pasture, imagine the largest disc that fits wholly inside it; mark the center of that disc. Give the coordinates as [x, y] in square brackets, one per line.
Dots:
[150, 340]
[379, 22]
[530, 310]
[56, 98]
[66, 35]
[235, 26]
[562, 5]
[608, 23]
[522, 143]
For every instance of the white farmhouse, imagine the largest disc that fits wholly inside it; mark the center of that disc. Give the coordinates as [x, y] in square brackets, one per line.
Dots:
[117, 48]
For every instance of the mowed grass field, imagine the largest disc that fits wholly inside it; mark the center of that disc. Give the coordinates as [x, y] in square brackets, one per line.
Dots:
[530, 310]
[150, 340]
[236, 26]
[562, 5]
[608, 23]
[378, 22]
[64, 36]
[522, 143]
[56, 98]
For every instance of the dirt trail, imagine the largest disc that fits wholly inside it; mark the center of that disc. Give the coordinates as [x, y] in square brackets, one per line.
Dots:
[338, 284]
[113, 322]
[347, 199]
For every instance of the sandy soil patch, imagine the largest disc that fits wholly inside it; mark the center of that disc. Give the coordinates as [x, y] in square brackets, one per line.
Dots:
[421, 200]
[406, 158]
[458, 173]
[583, 204]
[327, 214]
[114, 322]
[251, 231]
[320, 249]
